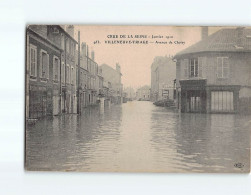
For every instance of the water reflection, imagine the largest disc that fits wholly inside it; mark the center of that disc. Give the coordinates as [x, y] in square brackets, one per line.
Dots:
[137, 136]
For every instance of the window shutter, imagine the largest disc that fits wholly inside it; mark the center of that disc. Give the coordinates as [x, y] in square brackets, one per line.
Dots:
[186, 67]
[58, 67]
[54, 67]
[204, 67]
[200, 62]
[219, 67]
[225, 68]
[35, 62]
[40, 64]
[188, 62]
[47, 66]
[31, 62]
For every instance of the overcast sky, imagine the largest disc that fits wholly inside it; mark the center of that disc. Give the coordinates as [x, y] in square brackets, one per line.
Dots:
[136, 60]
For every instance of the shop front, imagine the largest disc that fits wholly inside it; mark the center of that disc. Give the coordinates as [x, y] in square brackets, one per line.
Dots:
[193, 96]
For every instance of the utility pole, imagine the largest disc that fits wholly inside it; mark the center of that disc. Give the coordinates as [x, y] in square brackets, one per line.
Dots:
[65, 38]
[78, 83]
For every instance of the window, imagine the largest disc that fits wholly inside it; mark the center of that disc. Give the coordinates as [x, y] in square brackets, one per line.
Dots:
[62, 41]
[68, 76]
[63, 73]
[222, 101]
[194, 67]
[44, 65]
[222, 67]
[33, 60]
[72, 75]
[184, 63]
[67, 45]
[72, 49]
[77, 83]
[56, 69]
[157, 74]
[81, 81]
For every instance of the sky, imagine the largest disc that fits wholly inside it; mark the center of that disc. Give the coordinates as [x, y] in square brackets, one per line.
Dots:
[135, 60]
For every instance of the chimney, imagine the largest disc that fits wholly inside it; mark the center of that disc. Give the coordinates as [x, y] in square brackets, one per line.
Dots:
[118, 67]
[93, 55]
[87, 50]
[240, 36]
[70, 30]
[204, 32]
[83, 49]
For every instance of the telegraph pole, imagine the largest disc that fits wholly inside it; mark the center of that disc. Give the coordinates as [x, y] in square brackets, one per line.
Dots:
[78, 82]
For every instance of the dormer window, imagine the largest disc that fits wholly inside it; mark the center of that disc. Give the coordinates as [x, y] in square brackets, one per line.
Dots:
[55, 30]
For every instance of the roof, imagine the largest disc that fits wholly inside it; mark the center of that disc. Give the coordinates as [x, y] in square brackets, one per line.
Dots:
[44, 39]
[224, 40]
[109, 67]
[66, 33]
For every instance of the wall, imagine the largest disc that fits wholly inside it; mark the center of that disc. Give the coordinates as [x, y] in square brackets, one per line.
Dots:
[163, 72]
[48, 87]
[239, 69]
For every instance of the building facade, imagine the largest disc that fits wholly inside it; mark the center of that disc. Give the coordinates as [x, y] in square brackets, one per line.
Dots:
[50, 71]
[131, 94]
[143, 93]
[112, 78]
[163, 72]
[214, 75]
[91, 80]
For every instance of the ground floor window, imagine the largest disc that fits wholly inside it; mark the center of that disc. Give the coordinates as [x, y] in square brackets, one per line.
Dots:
[222, 101]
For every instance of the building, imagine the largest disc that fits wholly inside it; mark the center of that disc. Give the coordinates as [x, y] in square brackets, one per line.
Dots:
[163, 74]
[131, 94]
[50, 70]
[214, 75]
[143, 93]
[90, 78]
[112, 78]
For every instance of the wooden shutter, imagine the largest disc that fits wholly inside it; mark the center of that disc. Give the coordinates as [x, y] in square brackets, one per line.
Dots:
[186, 68]
[225, 64]
[200, 65]
[47, 66]
[31, 61]
[35, 51]
[219, 67]
[58, 67]
[40, 64]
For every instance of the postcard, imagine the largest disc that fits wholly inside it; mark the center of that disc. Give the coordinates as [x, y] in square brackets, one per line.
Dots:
[166, 99]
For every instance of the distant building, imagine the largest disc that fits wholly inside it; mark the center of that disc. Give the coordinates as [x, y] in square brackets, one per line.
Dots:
[113, 77]
[163, 73]
[143, 93]
[91, 80]
[131, 94]
[214, 75]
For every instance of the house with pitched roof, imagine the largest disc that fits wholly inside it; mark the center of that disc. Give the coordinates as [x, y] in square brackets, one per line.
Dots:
[214, 75]
[50, 70]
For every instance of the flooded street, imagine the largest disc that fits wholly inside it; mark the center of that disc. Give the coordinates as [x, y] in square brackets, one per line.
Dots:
[139, 137]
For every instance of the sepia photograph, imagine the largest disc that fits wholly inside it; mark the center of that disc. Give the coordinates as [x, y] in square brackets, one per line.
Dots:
[110, 98]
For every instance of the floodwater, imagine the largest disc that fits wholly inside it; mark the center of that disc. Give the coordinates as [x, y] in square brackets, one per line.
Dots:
[139, 137]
